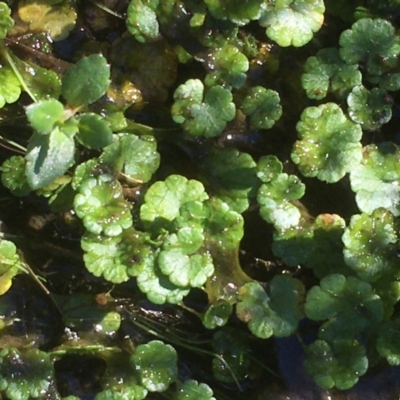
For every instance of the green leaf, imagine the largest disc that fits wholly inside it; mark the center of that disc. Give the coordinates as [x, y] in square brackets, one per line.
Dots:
[388, 344]
[199, 114]
[94, 131]
[25, 373]
[370, 245]
[231, 176]
[227, 66]
[102, 207]
[339, 364]
[142, 21]
[158, 287]
[217, 314]
[10, 87]
[293, 245]
[223, 226]
[86, 81]
[369, 108]
[237, 11]
[135, 156]
[263, 107]
[293, 22]
[390, 82]
[277, 313]
[329, 144]
[349, 305]
[326, 246]
[81, 312]
[372, 42]
[13, 176]
[6, 22]
[10, 264]
[44, 115]
[376, 180]
[156, 364]
[185, 270]
[165, 201]
[48, 157]
[276, 196]
[327, 72]
[116, 258]
[192, 390]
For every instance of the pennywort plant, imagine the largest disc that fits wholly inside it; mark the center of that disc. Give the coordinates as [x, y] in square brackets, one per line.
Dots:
[162, 139]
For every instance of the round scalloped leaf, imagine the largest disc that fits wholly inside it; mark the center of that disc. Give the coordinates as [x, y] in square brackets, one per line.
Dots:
[135, 156]
[156, 364]
[349, 305]
[94, 131]
[269, 168]
[388, 344]
[44, 115]
[227, 66]
[373, 42]
[185, 270]
[327, 72]
[223, 227]
[142, 21]
[92, 168]
[275, 197]
[48, 157]
[57, 18]
[376, 180]
[237, 11]
[339, 364]
[318, 246]
[133, 392]
[117, 258]
[164, 201]
[102, 207]
[158, 288]
[192, 390]
[231, 176]
[217, 314]
[277, 313]
[25, 374]
[263, 107]
[329, 144]
[10, 87]
[6, 22]
[199, 114]
[369, 108]
[86, 81]
[370, 245]
[293, 22]
[13, 176]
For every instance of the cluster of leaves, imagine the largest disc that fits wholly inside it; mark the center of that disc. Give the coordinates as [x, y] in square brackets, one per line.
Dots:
[164, 230]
